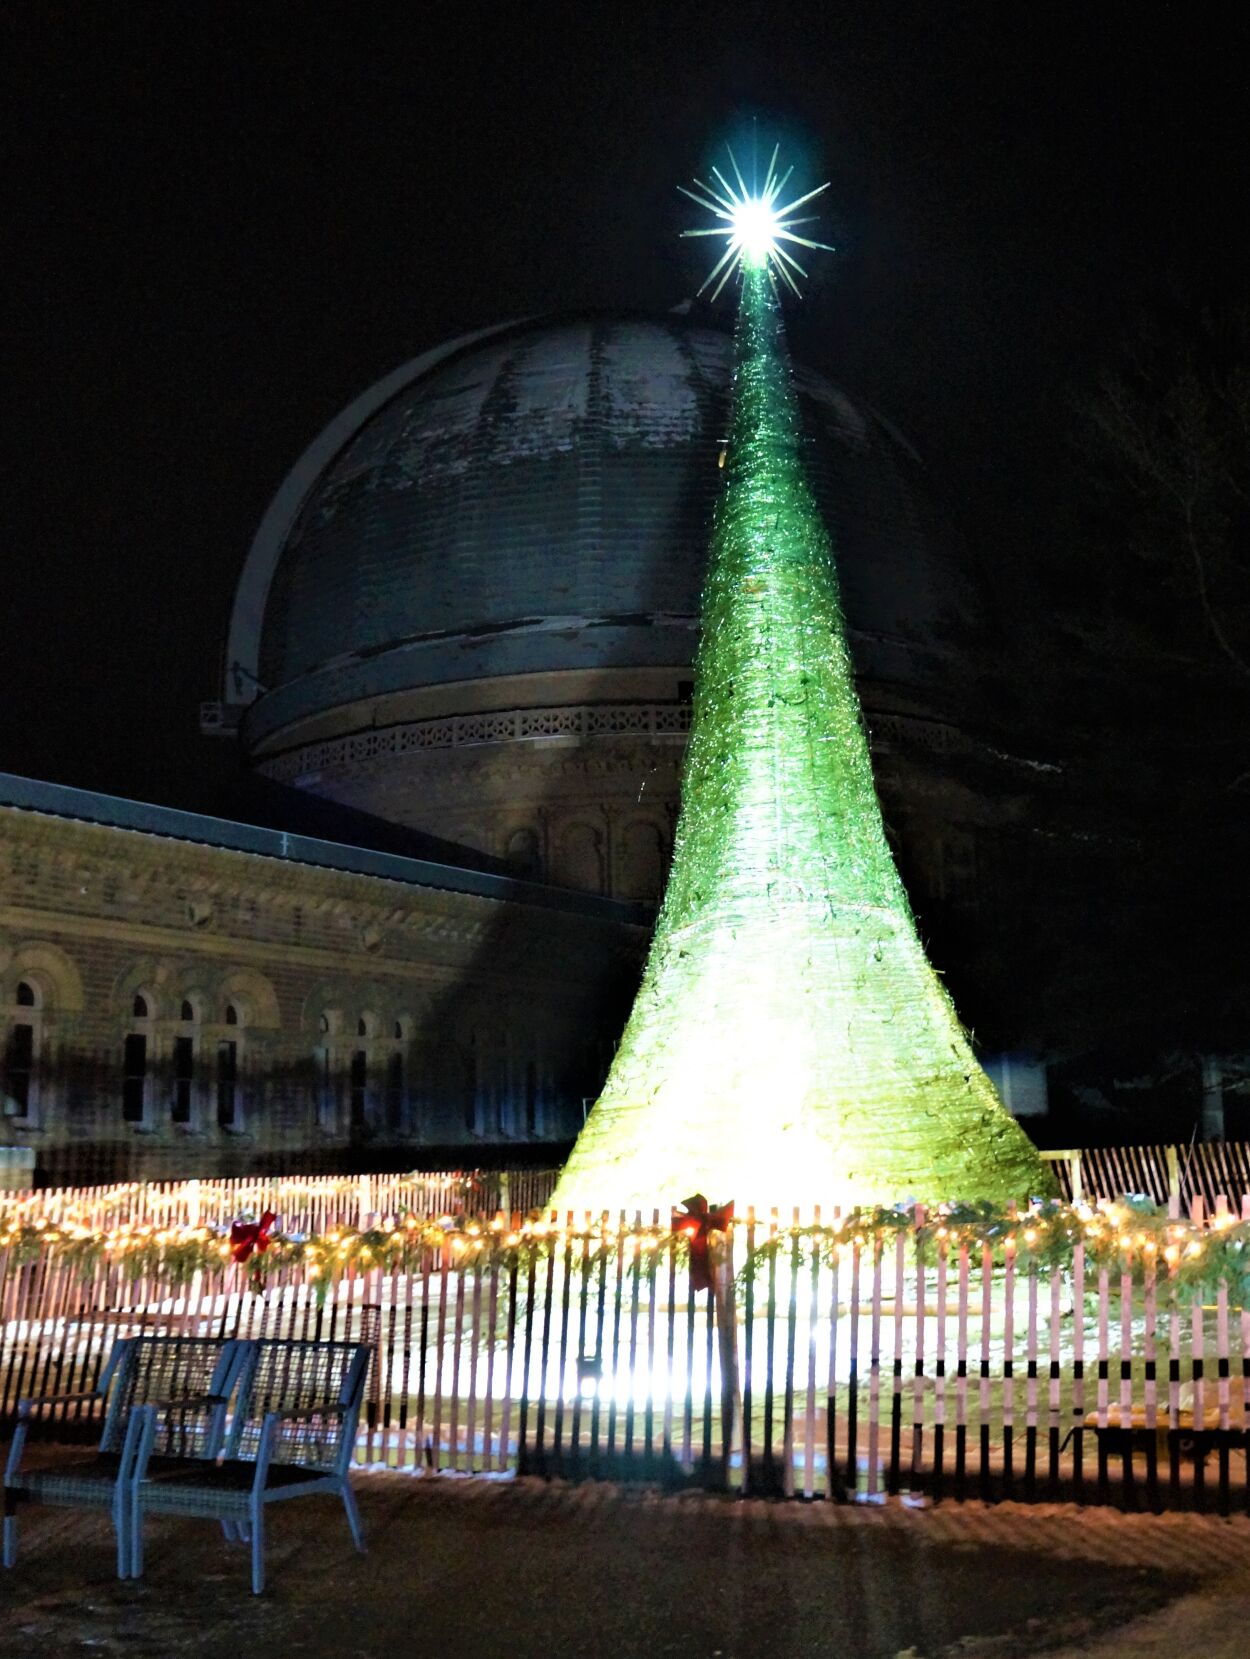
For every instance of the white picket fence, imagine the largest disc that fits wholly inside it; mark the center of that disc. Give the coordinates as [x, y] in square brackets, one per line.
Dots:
[886, 1371]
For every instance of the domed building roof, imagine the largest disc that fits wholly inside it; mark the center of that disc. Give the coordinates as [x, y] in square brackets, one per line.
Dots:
[538, 498]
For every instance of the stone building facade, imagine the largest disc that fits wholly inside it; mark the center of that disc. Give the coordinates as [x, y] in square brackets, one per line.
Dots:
[184, 996]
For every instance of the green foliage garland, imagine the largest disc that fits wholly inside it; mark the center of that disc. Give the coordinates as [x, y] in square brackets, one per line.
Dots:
[1124, 1239]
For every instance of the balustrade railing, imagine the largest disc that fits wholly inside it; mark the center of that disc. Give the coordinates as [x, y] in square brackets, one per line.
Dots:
[581, 721]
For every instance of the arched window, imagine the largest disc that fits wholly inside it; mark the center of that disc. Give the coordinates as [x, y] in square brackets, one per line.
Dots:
[640, 861]
[329, 1026]
[522, 855]
[23, 1043]
[229, 1097]
[360, 1074]
[579, 862]
[186, 1051]
[136, 1060]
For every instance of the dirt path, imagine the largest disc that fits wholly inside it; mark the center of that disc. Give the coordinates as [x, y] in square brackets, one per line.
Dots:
[527, 1570]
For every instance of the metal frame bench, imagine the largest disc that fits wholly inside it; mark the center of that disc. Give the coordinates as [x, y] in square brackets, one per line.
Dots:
[1123, 1432]
[192, 1376]
[292, 1434]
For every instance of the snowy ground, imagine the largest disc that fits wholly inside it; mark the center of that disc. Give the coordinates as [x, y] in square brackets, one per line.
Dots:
[525, 1569]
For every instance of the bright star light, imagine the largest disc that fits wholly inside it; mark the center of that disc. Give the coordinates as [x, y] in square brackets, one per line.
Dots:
[753, 224]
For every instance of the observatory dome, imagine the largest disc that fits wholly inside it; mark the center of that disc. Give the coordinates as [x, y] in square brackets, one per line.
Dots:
[473, 605]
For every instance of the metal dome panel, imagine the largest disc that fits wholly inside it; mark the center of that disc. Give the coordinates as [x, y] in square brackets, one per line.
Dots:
[540, 498]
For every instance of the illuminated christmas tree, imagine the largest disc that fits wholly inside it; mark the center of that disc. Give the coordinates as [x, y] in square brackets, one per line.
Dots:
[790, 1043]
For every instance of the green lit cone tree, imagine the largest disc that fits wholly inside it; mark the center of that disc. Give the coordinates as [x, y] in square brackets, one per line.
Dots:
[790, 1043]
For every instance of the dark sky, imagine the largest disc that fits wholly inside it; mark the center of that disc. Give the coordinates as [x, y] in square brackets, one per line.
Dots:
[226, 220]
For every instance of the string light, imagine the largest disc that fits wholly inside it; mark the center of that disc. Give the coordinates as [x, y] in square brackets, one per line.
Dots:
[1046, 1237]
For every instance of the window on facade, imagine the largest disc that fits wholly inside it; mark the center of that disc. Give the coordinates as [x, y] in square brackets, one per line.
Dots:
[522, 853]
[329, 1081]
[640, 862]
[188, 1011]
[395, 1102]
[19, 1062]
[531, 1098]
[580, 859]
[184, 1079]
[359, 1089]
[139, 1008]
[472, 1109]
[232, 1014]
[134, 1073]
[19, 1067]
[227, 1083]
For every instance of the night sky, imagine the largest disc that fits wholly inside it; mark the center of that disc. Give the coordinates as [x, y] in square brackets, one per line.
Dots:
[226, 221]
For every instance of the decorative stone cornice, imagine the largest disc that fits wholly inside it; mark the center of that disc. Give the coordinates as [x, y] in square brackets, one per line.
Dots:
[101, 881]
[559, 728]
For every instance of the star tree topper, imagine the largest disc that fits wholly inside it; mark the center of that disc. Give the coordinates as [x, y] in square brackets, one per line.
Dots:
[753, 224]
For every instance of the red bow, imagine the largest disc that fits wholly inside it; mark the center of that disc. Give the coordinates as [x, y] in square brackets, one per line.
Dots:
[697, 1221]
[246, 1236]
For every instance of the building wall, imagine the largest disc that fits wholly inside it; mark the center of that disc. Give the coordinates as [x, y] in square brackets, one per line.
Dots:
[176, 1008]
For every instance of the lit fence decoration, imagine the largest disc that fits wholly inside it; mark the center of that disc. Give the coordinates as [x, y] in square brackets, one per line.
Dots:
[305, 1203]
[1098, 1353]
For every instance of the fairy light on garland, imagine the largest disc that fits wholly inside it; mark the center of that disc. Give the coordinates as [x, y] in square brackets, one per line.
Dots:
[790, 1043]
[1142, 1244]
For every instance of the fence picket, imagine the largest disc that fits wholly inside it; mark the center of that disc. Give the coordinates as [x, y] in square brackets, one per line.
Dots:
[792, 1325]
[1008, 1369]
[874, 1375]
[1031, 1389]
[939, 1371]
[809, 1410]
[834, 1487]
[961, 1375]
[1127, 1475]
[983, 1387]
[1054, 1386]
[852, 1404]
